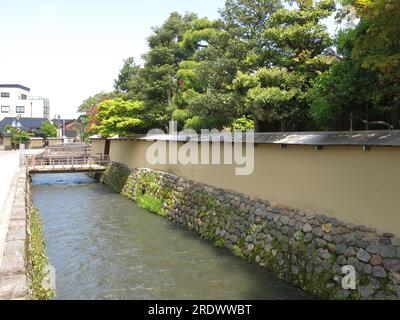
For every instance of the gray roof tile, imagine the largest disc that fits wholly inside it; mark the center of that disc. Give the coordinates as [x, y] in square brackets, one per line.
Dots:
[323, 138]
[26, 123]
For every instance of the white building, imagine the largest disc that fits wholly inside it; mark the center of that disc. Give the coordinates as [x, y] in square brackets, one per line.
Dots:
[16, 100]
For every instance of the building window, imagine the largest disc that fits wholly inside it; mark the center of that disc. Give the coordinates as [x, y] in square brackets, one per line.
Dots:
[20, 109]
[5, 94]
[5, 109]
[23, 97]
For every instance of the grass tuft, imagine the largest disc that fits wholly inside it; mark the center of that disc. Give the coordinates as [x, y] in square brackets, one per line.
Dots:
[38, 263]
[150, 203]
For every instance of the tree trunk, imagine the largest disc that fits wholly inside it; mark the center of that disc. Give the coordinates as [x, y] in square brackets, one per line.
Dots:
[395, 118]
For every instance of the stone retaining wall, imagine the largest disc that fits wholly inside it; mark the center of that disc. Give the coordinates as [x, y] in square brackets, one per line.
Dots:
[307, 250]
[13, 278]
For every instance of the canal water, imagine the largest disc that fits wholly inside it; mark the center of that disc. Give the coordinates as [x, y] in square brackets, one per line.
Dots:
[104, 246]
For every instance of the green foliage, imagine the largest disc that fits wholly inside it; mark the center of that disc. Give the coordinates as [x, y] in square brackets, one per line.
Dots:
[237, 251]
[208, 235]
[245, 22]
[296, 42]
[89, 110]
[18, 136]
[348, 94]
[199, 34]
[48, 130]
[94, 101]
[202, 122]
[378, 46]
[211, 203]
[38, 263]
[144, 189]
[128, 71]
[150, 203]
[244, 123]
[219, 243]
[265, 64]
[202, 215]
[156, 83]
[271, 93]
[148, 184]
[119, 117]
[181, 116]
[116, 176]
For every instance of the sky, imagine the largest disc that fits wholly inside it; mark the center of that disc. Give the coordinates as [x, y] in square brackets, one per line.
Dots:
[68, 50]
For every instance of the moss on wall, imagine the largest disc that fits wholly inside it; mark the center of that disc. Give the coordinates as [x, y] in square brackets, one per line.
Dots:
[116, 176]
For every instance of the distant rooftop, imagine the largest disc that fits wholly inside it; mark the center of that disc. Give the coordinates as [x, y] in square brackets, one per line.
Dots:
[323, 138]
[18, 86]
[26, 123]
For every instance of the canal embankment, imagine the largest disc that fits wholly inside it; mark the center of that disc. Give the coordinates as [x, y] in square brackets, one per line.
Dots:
[307, 250]
[23, 260]
[310, 250]
[14, 282]
[104, 246]
[37, 262]
[8, 171]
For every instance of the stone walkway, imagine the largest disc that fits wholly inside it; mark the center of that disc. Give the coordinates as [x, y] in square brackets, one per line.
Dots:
[13, 280]
[9, 164]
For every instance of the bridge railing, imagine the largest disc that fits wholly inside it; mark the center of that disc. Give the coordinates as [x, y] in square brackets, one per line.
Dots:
[70, 161]
[64, 149]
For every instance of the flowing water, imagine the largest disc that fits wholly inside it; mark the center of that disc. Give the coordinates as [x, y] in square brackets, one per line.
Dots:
[104, 246]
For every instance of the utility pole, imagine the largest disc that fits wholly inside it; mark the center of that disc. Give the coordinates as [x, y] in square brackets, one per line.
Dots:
[351, 121]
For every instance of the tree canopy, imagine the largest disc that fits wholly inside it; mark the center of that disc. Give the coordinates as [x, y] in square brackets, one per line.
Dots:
[362, 87]
[118, 117]
[264, 64]
[48, 129]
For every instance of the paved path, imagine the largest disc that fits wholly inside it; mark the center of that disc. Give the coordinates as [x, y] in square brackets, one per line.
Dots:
[13, 278]
[13, 274]
[9, 164]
